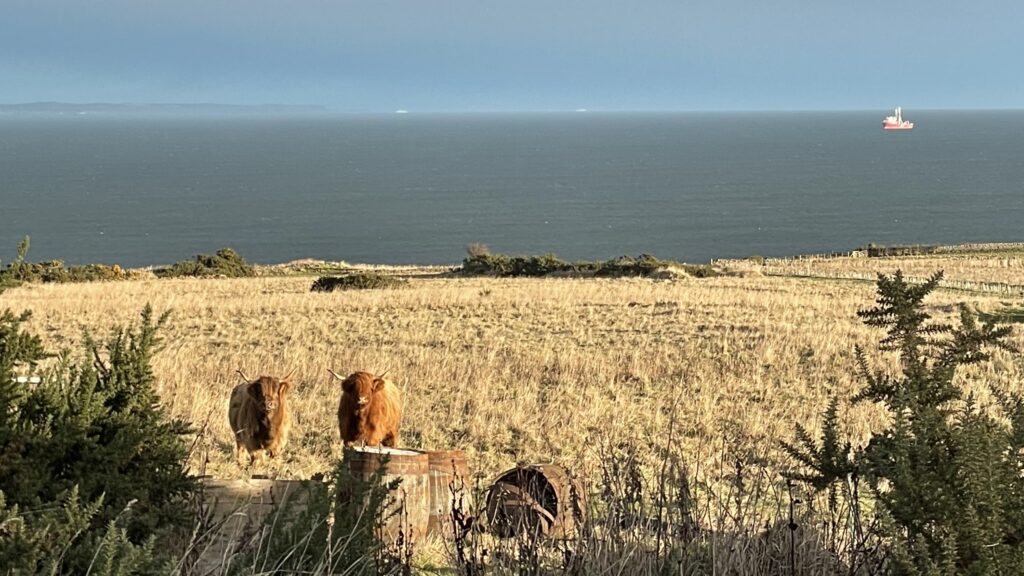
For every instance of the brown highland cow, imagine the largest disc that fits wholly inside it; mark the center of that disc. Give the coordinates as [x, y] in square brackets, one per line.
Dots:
[369, 410]
[258, 413]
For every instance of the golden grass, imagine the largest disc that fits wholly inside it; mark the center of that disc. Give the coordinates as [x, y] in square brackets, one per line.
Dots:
[508, 370]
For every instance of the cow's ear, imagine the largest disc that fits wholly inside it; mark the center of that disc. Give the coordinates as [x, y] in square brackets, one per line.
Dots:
[378, 384]
[284, 387]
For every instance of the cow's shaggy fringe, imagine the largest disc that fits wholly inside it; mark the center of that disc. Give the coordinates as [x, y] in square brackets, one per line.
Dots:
[260, 418]
[375, 423]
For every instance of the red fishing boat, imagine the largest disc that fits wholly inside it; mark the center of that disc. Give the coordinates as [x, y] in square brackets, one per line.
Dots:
[896, 121]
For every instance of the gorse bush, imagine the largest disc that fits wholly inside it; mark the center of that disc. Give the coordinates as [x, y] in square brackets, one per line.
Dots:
[481, 263]
[643, 265]
[55, 271]
[91, 467]
[38, 541]
[647, 265]
[226, 263]
[945, 475]
[487, 264]
[10, 277]
[361, 281]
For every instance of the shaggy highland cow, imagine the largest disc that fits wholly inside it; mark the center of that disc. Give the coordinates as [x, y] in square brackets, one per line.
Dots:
[258, 413]
[369, 410]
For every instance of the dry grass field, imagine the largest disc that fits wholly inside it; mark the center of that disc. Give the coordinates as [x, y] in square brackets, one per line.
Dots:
[1001, 270]
[523, 370]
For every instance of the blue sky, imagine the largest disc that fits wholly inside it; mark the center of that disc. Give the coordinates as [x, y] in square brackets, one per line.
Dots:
[483, 55]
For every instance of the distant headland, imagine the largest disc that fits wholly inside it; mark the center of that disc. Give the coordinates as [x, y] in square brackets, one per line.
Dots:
[155, 108]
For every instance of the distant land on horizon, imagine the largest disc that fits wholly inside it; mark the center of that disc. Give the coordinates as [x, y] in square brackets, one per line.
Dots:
[202, 107]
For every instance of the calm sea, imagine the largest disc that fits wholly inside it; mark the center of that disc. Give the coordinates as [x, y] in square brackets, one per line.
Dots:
[416, 189]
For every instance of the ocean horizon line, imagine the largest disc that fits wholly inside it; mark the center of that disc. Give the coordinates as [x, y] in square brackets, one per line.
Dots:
[43, 106]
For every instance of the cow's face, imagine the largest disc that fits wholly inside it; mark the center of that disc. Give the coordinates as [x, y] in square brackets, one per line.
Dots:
[268, 393]
[361, 386]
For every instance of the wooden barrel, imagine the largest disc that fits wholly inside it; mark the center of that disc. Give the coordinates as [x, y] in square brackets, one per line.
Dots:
[412, 498]
[540, 499]
[450, 489]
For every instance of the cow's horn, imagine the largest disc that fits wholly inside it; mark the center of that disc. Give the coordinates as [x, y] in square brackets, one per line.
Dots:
[289, 374]
[383, 374]
[335, 374]
[242, 374]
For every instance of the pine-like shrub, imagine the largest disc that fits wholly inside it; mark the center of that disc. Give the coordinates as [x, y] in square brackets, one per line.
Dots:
[647, 265]
[511, 266]
[360, 281]
[225, 263]
[10, 277]
[501, 265]
[55, 271]
[642, 265]
[20, 271]
[37, 541]
[945, 476]
[90, 441]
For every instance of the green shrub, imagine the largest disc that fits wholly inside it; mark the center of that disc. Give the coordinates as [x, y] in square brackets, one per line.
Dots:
[54, 271]
[515, 266]
[225, 263]
[642, 265]
[539, 265]
[486, 264]
[362, 281]
[10, 277]
[36, 542]
[92, 429]
[645, 264]
[945, 474]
